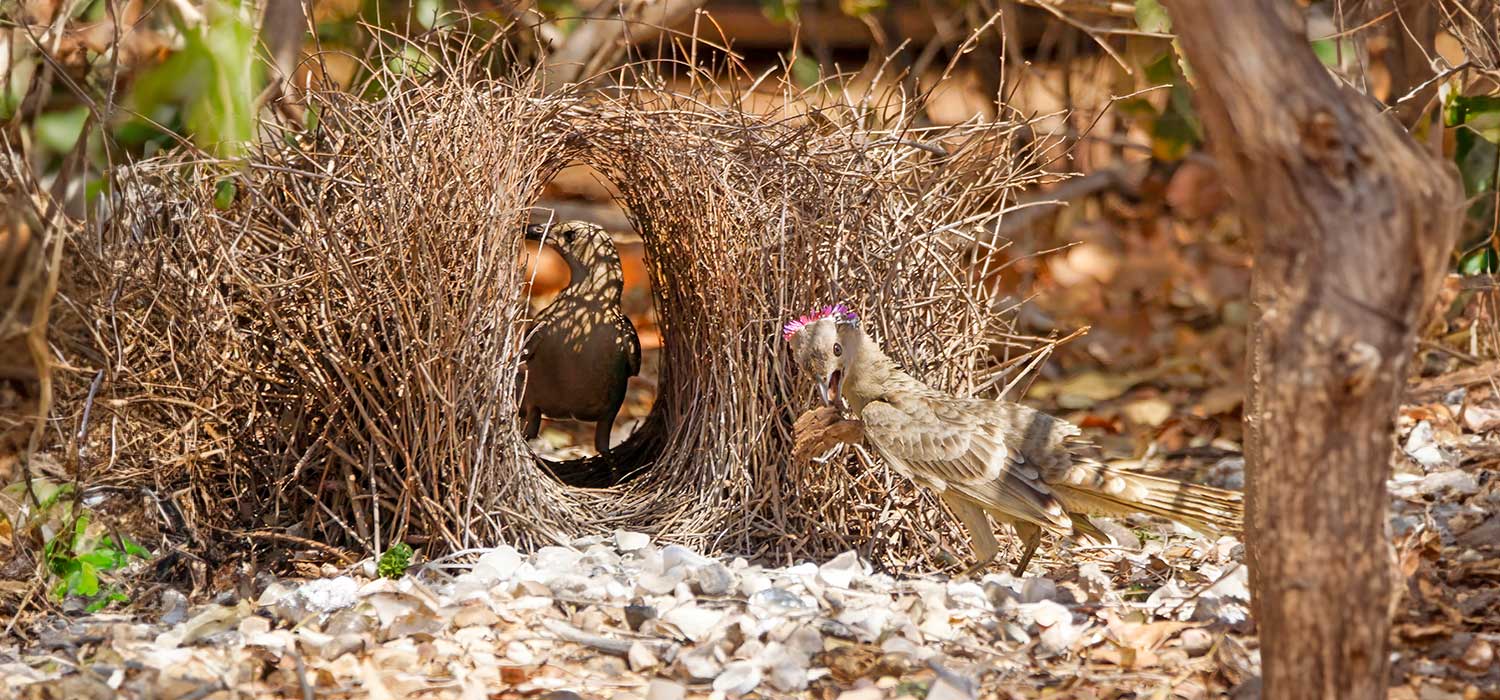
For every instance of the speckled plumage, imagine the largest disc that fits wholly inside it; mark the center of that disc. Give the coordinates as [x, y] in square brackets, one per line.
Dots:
[1012, 462]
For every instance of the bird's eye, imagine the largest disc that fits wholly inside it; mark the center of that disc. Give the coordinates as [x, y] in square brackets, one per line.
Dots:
[838, 350]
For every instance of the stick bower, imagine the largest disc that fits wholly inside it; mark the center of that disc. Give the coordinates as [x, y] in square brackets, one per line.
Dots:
[323, 343]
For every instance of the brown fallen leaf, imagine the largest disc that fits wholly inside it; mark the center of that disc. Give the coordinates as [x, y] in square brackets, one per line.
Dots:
[1151, 412]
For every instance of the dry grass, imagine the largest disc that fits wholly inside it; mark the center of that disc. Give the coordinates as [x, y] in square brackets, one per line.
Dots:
[334, 355]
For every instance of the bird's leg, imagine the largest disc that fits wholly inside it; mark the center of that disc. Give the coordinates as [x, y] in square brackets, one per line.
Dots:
[533, 423]
[974, 520]
[602, 429]
[1031, 536]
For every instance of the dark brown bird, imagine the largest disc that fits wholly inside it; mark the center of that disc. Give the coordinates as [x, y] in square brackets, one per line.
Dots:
[581, 354]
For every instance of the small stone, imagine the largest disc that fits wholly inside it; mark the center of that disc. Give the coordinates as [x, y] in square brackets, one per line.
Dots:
[1123, 537]
[663, 689]
[1056, 623]
[942, 689]
[636, 614]
[659, 584]
[605, 666]
[694, 622]
[561, 695]
[628, 541]
[1196, 641]
[868, 692]
[967, 595]
[498, 564]
[1479, 656]
[1422, 446]
[700, 664]
[1458, 482]
[174, 607]
[1038, 589]
[640, 658]
[777, 602]
[841, 571]
[675, 555]
[519, 653]
[556, 560]
[786, 668]
[1016, 633]
[340, 645]
[738, 678]
[714, 579]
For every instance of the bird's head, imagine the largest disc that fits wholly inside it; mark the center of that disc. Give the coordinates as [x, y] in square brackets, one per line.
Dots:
[579, 240]
[818, 348]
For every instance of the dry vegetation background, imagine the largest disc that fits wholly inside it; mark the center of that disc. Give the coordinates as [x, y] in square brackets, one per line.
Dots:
[273, 321]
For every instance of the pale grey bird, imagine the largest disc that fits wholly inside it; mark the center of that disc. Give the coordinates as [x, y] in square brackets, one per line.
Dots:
[1016, 464]
[583, 351]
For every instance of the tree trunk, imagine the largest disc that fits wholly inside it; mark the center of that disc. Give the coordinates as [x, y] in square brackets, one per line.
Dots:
[1353, 225]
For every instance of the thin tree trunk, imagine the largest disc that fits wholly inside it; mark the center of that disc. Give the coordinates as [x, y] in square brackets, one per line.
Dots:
[1353, 225]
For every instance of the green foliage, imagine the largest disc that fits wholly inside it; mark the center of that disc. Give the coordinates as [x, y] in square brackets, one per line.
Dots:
[395, 561]
[76, 553]
[59, 131]
[563, 12]
[224, 194]
[77, 561]
[781, 10]
[213, 81]
[1331, 51]
[1476, 124]
[788, 10]
[1150, 16]
[13, 87]
[861, 8]
[804, 70]
[1174, 128]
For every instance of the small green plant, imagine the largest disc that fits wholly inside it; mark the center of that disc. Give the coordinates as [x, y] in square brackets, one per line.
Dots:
[395, 561]
[77, 561]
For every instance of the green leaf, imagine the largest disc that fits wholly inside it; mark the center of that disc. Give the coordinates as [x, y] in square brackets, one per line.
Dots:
[1480, 113]
[805, 71]
[395, 561]
[1478, 262]
[103, 558]
[215, 78]
[59, 131]
[113, 595]
[13, 90]
[224, 194]
[781, 10]
[861, 8]
[1150, 16]
[426, 12]
[88, 581]
[134, 549]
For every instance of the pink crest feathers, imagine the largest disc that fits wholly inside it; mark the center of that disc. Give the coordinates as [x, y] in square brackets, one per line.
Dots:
[838, 312]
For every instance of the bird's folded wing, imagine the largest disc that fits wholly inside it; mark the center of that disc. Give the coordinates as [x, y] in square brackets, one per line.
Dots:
[947, 445]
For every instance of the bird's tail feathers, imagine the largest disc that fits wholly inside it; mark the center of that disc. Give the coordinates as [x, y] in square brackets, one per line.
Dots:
[1092, 487]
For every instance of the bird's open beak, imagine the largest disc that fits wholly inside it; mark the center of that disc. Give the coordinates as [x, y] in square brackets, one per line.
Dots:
[535, 232]
[833, 392]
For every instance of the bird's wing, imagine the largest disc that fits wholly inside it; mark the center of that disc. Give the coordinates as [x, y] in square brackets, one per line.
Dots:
[632, 339]
[961, 445]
